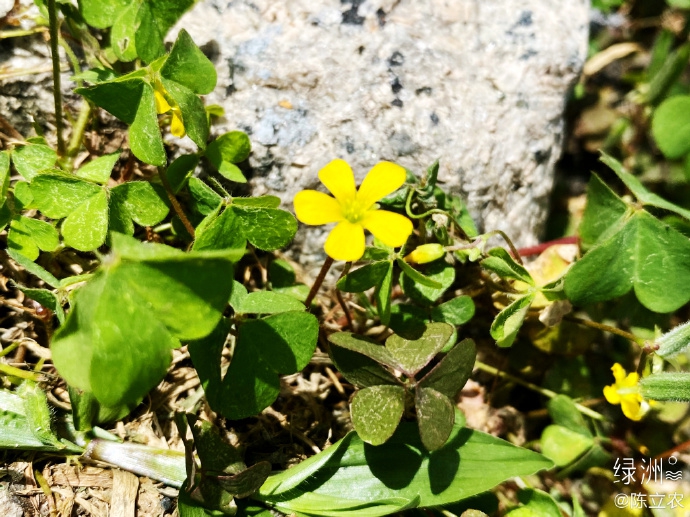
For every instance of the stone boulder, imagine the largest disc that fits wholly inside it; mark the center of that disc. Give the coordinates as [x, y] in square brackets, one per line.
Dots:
[480, 85]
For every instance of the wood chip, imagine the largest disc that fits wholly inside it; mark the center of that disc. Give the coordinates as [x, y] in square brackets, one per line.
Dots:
[65, 475]
[124, 496]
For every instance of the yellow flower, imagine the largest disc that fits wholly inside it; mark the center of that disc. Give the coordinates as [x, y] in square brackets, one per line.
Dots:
[162, 106]
[353, 210]
[626, 393]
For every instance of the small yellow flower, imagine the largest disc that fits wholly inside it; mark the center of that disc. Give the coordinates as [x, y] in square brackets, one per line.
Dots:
[163, 106]
[626, 393]
[426, 253]
[353, 210]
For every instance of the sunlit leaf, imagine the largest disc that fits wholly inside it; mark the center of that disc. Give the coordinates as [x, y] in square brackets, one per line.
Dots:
[469, 463]
[376, 412]
[117, 340]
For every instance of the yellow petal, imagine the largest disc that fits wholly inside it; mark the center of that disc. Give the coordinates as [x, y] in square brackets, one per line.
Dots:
[618, 372]
[312, 207]
[383, 179]
[611, 394]
[162, 105]
[339, 179]
[630, 404]
[346, 242]
[390, 228]
[630, 381]
[176, 126]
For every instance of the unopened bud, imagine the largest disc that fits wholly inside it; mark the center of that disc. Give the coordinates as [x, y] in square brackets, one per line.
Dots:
[426, 253]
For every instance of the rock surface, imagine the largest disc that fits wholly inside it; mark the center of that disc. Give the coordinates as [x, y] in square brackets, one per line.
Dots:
[480, 85]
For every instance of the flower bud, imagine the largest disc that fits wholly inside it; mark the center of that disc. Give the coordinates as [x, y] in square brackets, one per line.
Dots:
[426, 253]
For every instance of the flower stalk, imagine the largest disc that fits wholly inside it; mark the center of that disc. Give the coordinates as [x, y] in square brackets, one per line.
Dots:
[55, 57]
[319, 280]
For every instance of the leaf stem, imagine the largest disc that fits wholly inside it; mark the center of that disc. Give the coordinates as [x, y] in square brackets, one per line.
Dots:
[408, 208]
[513, 250]
[10, 348]
[220, 187]
[408, 211]
[543, 391]
[72, 57]
[319, 280]
[55, 57]
[17, 372]
[21, 33]
[606, 328]
[341, 300]
[175, 203]
[474, 244]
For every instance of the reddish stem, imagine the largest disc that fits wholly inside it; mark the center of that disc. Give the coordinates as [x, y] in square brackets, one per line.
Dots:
[538, 248]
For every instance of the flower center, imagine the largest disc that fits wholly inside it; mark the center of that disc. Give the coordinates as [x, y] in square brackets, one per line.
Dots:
[354, 211]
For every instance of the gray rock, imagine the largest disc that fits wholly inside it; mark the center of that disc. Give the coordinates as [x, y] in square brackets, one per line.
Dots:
[480, 85]
[26, 85]
[5, 7]
[9, 505]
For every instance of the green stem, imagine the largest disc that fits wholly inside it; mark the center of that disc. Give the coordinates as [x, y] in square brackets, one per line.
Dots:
[408, 210]
[10, 348]
[20, 33]
[606, 328]
[17, 372]
[72, 57]
[79, 129]
[218, 185]
[57, 93]
[319, 280]
[543, 391]
[475, 243]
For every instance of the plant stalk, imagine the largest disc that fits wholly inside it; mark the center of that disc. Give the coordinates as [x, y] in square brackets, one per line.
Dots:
[13, 371]
[319, 280]
[175, 203]
[79, 129]
[57, 92]
[543, 391]
[408, 210]
[606, 328]
[513, 250]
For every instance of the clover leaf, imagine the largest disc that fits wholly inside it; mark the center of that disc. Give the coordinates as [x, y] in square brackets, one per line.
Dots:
[645, 255]
[226, 151]
[30, 236]
[90, 209]
[378, 407]
[632, 250]
[33, 157]
[231, 224]
[138, 26]
[178, 78]
[282, 343]
[117, 340]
